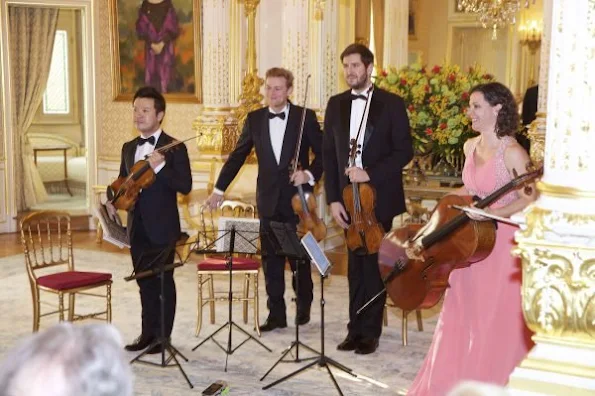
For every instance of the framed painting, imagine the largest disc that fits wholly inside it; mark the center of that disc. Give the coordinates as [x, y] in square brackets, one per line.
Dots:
[156, 43]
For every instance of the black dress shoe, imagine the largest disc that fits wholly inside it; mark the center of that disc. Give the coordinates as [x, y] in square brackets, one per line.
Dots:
[140, 343]
[349, 343]
[302, 317]
[272, 324]
[366, 346]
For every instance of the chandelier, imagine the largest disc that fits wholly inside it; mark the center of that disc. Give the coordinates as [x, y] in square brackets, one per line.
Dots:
[493, 13]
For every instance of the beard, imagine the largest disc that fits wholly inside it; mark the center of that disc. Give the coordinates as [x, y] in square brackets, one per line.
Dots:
[360, 83]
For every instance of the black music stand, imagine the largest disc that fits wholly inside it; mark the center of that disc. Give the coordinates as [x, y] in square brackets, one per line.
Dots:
[321, 262]
[286, 243]
[164, 341]
[230, 323]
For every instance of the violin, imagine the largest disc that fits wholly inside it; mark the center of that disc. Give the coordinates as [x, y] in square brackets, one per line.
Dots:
[124, 191]
[304, 203]
[416, 261]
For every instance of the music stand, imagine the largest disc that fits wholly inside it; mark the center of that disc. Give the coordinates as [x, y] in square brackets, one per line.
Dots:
[164, 341]
[323, 265]
[230, 323]
[286, 243]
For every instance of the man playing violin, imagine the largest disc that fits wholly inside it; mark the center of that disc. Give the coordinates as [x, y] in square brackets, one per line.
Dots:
[384, 147]
[273, 132]
[154, 222]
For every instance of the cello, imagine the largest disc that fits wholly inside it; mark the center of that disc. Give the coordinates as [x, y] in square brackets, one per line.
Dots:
[304, 203]
[124, 191]
[415, 261]
[364, 234]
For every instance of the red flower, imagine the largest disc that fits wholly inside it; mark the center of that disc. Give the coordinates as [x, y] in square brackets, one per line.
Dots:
[452, 77]
[436, 69]
[410, 107]
[403, 81]
[429, 131]
[443, 125]
[487, 76]
[384, 73]
[427, 88]
[465, 96]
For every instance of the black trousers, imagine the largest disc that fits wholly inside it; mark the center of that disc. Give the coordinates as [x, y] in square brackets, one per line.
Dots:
[146, 255]
[363, 276]
[274, 271]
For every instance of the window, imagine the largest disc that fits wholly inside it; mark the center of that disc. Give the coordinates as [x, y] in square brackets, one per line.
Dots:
[58, 102]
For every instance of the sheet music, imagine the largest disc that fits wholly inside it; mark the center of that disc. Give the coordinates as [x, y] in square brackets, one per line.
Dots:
[480, 212]
[316, 254]
[113, 231]
[247, 234]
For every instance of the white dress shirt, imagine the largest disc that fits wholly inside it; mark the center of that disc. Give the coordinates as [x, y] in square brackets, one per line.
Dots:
[357, 111]
[146, 149]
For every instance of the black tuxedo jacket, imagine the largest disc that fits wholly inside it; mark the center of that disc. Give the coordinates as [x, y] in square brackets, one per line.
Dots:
[273, 190]
[387, 148]
[157, 204]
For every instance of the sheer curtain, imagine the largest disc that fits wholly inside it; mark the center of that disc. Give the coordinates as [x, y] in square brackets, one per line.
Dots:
[32, 32]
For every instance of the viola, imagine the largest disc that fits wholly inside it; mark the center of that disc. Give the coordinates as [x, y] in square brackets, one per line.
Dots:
[304, 203]
[364, 234]
[124, 191]
[416, 261]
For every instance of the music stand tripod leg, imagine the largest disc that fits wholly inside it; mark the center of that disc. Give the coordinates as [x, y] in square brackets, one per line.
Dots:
[163, 340]
[230, 323]
[322, 361]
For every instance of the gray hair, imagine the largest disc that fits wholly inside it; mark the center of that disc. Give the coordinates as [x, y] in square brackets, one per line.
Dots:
[68, 360]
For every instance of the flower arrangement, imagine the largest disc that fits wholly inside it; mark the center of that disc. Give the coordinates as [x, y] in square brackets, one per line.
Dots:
[437, 101]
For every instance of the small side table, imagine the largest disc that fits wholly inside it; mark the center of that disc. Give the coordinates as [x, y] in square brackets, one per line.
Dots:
[56, 147]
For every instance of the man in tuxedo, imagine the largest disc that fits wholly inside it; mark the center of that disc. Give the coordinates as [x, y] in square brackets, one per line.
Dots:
[528, 115]
[273, 132]
[153, 223]
[384, 147]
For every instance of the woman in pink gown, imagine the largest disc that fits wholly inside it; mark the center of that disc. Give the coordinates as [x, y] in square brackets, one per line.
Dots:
[481, 334]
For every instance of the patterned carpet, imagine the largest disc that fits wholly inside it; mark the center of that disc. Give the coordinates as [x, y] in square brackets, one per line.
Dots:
[387, 372]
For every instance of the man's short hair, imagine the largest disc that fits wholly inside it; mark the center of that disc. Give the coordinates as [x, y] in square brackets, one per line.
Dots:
[357, 48]
[68, 360]
[281, 72]
[151, 93]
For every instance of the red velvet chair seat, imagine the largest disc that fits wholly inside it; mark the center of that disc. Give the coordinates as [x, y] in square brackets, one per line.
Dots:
[72, 279]
[220, 264]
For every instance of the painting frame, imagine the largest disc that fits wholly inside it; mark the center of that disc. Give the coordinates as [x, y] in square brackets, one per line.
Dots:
[412, 20]
[125, 73]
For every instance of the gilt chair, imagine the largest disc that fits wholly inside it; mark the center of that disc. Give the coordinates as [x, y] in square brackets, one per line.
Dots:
[420, 324]
[216, 264]
[47, 244]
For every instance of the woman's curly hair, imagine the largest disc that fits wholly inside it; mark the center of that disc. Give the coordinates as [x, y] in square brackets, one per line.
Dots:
[507, 122]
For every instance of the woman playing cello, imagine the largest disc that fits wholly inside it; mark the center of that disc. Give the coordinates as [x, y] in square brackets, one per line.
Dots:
[480, 334]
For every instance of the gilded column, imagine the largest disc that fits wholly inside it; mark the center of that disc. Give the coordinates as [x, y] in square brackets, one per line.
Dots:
[250, 98]
[557, 243]
[396, 33]
[537, 128]
[212, 124]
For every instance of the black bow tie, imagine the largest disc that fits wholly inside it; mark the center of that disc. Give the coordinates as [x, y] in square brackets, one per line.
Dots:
[355, 97]
[150, 140]
[280, 115]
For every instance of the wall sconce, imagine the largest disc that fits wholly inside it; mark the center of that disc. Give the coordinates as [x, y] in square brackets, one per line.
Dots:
[530, 33]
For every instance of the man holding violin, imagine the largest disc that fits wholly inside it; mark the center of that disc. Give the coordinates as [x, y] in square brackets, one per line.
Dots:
[273, 132]
[376, 122]
[153, 223]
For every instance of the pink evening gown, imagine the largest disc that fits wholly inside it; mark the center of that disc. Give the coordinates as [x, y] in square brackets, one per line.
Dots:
[480, 334]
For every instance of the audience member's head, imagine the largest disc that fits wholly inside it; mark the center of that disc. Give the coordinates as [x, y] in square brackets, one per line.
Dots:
[68, 360]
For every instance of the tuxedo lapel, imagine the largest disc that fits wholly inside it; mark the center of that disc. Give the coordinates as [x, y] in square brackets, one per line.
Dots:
[130, 152]
[344, 133]
[376, 106]
[265, 138]
[290, 137]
